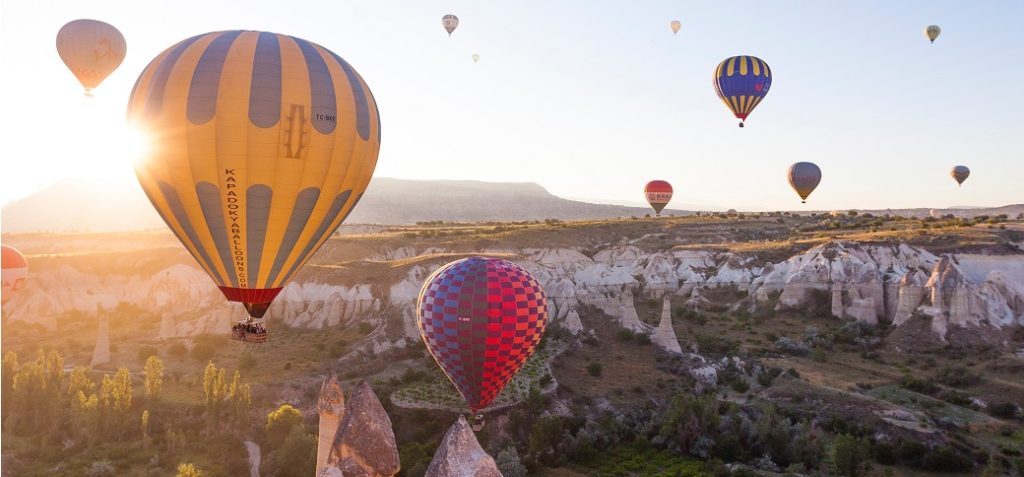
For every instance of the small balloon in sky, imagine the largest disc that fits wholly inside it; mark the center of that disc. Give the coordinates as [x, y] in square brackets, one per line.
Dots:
[931, 32]
[959, 174]
[804, 177]
[450, 23]
[91, 49]
[676, 25]
[742, 82]
[658, 194]
[476, 57]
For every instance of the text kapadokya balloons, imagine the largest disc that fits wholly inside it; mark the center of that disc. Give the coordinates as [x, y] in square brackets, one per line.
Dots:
[450, 23]
[261, 145]
[675, 25]
[959, 174]
[804, 178]
[481, 318]
[931, 32]
[91, 49]
[658, 194]
[13, 272]
[742, 82]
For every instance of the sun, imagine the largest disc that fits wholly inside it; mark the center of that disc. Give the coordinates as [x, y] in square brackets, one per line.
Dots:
[133, 144]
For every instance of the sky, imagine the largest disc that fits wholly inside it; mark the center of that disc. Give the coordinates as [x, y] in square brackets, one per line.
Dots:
[590, 99]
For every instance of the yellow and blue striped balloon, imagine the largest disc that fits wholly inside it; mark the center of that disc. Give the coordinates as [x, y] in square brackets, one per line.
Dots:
[742, 82]
[261, 145]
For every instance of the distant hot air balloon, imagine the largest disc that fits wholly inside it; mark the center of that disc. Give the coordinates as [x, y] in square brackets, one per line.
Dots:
[13, 272]
[262, 144]
[450, 22]
[481, 318]
[742, 82]
[804, 177]
[931, 32]
[476, 57]
[91, 49]
[658, 194]
[676, 25]
[959, 174]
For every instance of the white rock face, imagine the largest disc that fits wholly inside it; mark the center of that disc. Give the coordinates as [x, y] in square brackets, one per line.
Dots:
[460, 455]
[665, 336]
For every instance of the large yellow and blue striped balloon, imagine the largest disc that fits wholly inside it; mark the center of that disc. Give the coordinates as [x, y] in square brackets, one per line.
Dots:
[261, 145]
[742, 82]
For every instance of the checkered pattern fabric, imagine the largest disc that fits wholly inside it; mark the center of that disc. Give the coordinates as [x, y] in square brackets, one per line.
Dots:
[481, 318]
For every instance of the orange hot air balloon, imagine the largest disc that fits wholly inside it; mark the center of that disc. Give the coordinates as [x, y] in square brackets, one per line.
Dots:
[14, 272]
[91, 49]
[658, 194]
[262, 144]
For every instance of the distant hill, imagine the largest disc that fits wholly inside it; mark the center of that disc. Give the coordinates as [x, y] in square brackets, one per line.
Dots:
[100, 206]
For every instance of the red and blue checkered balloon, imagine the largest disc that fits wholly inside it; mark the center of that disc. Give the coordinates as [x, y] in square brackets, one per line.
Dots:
[481, 318]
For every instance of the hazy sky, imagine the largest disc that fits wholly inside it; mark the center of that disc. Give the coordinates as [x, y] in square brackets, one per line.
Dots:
[591, 99]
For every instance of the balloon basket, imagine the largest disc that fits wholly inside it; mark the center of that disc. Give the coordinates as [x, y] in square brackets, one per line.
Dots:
[249, 331]
[476, 422]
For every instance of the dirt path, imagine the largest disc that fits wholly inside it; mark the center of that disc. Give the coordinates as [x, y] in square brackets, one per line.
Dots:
[254, 458]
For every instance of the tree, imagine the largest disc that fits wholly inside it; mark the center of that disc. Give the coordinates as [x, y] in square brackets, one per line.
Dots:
[295, 456]
[188, 470]
[215, 390]
[690, 417]
[240, 396]
[545, 434]
[280, 424]
[849, 455]
[10, 368]
[510, 464]
[145, 427]
[154, 372]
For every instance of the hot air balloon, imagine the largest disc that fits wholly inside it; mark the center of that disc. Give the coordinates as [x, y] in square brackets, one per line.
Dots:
[959, 174]
[13, 272]
[742, 82]
[450, 22]
[931, 32]
[262, 144]
[804, 177]
[91, 49]
[476, 57]
[658, 194]
[481, 318]
[676, 25]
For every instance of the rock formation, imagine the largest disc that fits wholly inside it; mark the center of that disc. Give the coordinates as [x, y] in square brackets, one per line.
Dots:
[664, 335]
[331, 407]
[101, 353]
[364, 445]
[460, 455]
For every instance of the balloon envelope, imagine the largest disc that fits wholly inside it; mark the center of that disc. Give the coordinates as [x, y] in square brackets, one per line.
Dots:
[14, 272]
[804, 178]
[91, 49]
[742, 82]
[261, 145]
[476, 57]
[676, 25]
[481, 319]
[450, 23]
[960, 173]
[931, 32]
[658, 194]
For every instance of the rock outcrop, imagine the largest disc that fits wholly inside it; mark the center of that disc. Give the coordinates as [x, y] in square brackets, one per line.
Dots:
[364, 445]
[664, 335]
[460, 455]
[101, 352]
[331, 408]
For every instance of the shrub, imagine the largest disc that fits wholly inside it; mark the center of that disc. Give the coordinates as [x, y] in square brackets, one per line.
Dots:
[946, 459]
[146, 351]
[177, 349]
[849, 454]
[203, 351]
[594, 369]
[1005, 410]
[957, 377]
[280, 423]
[625, 335]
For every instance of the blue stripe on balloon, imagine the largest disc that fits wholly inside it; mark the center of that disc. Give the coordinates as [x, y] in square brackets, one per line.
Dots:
[202, 92]
[155, 95]
[362, 109]
[265, 86]
[321, 88]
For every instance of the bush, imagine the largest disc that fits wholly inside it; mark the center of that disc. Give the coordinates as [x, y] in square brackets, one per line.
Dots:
[849, 454]
[625, 335]
[177, 349]
[957, 377]
[280, 423]
[1005, 410]
[203, 351]
[146, 351]
[594, 369]
[509, 463]
[946, 459]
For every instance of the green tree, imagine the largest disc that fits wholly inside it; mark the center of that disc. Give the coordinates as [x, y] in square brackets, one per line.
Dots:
[849, 455]
[545, 434]
[215, 391]
[10, 368]
[240, 396]
[85, 417]
[690, 417]
[509, 463]
[295, 456]
[280, 424]
[154, 372]
[188, 470]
